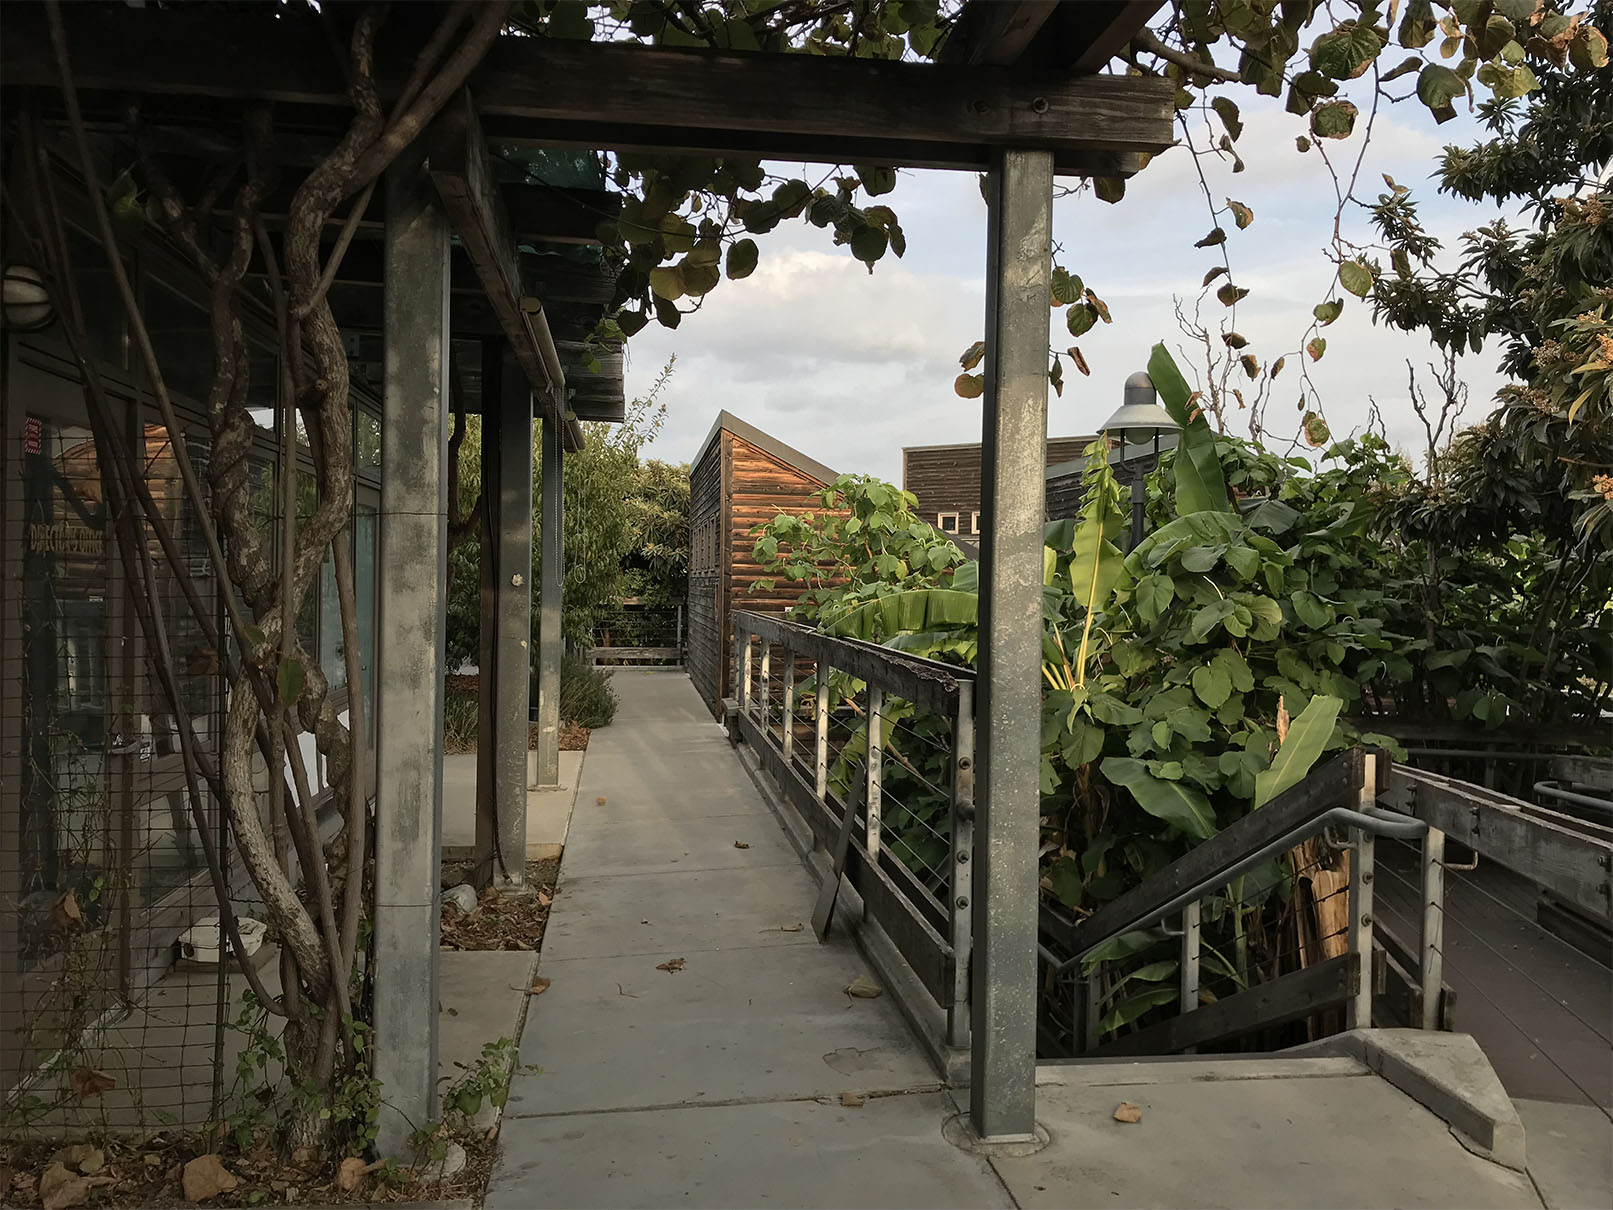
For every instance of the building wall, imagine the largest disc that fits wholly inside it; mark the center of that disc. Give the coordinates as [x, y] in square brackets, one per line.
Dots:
[946, 480]
[704, 655]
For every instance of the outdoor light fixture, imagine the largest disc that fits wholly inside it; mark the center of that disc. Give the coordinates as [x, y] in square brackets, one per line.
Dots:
[27, 302]
[1139, 421]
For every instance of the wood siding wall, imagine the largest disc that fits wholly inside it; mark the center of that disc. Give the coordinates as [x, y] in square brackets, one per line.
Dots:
[946, 478]
[738, 487]
[1064, 496]
[704, 656]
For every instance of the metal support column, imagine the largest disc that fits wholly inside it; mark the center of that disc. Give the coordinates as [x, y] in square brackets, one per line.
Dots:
[512, 538]
[1363, 873]
[1002, 1093]
[962, 885]
[550, 643]
[1432, 941]
[411, 653]
[874, 798]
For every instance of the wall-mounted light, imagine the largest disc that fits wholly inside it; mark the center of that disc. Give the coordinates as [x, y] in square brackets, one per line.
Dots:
[27, 303]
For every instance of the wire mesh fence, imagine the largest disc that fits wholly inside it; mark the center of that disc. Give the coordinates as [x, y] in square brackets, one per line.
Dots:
[636, 633]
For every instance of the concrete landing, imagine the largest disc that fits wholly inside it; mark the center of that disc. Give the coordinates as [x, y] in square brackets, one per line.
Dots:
[1302, 1133]
[548, 811]
[718, 1084]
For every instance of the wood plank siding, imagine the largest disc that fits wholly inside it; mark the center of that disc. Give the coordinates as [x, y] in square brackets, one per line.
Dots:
[741, 478]
[946, 480]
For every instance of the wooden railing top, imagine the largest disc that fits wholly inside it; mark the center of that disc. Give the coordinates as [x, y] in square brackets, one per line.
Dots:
[926, 683]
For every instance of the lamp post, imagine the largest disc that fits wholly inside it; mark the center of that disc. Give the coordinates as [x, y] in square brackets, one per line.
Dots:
[1139, 421]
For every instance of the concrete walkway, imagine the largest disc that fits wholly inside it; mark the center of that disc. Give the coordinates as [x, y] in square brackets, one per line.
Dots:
[720, 1083]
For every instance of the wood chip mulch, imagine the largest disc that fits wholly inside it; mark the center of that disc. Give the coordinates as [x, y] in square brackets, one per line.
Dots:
[151, 1172]
[501, 922]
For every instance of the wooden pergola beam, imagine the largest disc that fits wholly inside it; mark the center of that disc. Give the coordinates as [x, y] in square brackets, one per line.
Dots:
[551, 278]
[625, 96]
[459, 166]
[995, 32]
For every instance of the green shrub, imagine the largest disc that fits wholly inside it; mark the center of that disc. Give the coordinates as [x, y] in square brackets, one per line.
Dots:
[459, 721]
[586, 696]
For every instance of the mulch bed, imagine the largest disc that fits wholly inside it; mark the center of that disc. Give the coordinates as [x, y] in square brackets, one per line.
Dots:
[501, 922]
[151, 1172]
[573, 738]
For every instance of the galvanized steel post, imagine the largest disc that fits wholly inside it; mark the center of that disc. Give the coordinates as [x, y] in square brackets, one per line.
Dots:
[787, 740]
[1019, 194]
[411, 651]
[820, 690]
[513, 606]
[959, 906]
[1363, 873]
[1432, 941]
[875, 768]
[551, 644]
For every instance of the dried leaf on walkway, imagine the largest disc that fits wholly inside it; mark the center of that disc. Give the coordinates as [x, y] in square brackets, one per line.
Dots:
[539, 986]
[791, 928]
[675, 964]
[60, 1188]
[863, 988]
[600, 800]
[88, 1082]
[851, 1100]
[740, 844]
[205, 1177]
[1127, 1112]
[86, 1157]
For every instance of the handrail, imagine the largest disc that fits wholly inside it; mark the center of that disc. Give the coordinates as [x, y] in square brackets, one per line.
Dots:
[1378, 820]
[924, 682]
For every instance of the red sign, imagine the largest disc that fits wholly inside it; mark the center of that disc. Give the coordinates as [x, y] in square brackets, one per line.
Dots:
[32, 436]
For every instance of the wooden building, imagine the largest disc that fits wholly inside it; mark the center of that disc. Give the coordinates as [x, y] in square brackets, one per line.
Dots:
[946, 480]
[741, 478]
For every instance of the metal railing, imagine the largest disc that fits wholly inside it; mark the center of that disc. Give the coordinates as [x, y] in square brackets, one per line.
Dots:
[1326, 971]
[634, 633]
[818, 711]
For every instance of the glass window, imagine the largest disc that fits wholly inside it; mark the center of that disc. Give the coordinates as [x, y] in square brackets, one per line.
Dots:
[182, 338]
[364, 546]
[263, 385]
[366, 441]
[104, 320]
[947, 523]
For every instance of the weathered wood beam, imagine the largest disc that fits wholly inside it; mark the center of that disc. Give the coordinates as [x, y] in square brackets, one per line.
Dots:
[995, 32]
[463, 174]
[1082, 37]
[620, 95]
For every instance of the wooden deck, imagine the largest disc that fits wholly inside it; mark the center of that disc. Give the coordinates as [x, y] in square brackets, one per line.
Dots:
[1541, 1009]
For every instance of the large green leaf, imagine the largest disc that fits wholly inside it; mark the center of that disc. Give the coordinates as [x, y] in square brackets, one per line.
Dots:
[1301, 748]
[1200, 483]
[1181, 806]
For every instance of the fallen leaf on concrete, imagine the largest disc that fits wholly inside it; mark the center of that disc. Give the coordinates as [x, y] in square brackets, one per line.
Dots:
[539, 986]
[205, 1177]
[675, 964]
[1127, 1112]
[740, 844]
[59, 1188]
[851, 1100]
[863, 988]
[600, 800]
[88, 1082]
[784, 928]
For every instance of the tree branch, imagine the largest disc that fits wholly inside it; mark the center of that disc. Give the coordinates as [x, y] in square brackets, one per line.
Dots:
[1145, 40]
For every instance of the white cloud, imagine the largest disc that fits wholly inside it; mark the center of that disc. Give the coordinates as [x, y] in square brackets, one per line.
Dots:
[850, 367]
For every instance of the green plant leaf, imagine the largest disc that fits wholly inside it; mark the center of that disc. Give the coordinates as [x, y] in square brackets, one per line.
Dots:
[1132, 1007]
[1307, 738]
[741, 259]
[1356, 278]
[1181, 806]
[1212, 684]
[1333, 119]
[1200, 482]
[290, 680]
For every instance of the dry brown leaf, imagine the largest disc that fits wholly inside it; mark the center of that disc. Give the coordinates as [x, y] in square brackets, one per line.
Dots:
[86, 1157]
[305, 1157]
[851, 1100]
[539, 986]
[1282, 720]
[740, 844]
[1127, 1112]
[676, 964]
[60, 1188]
[65, 912]
[791, 928]
[350, 1172]
[205, 1177]
[545, 898]
[600, 800]
[863, 988]
[88, 1082]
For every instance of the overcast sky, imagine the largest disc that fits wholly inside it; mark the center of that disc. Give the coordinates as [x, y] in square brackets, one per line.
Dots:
[849, 366]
